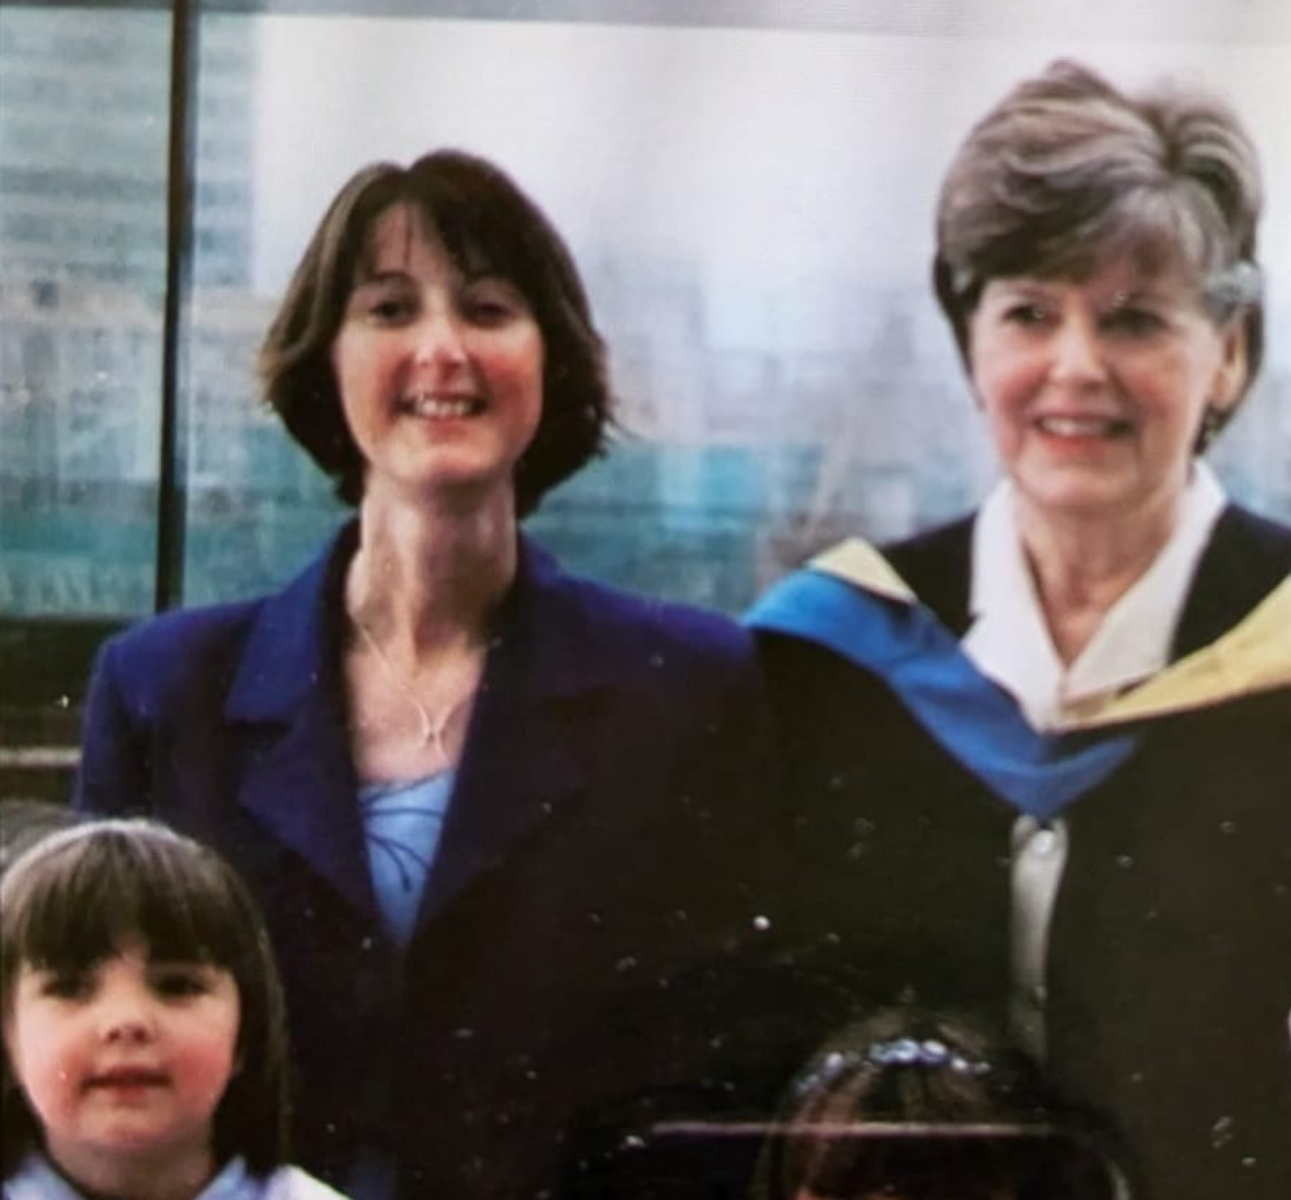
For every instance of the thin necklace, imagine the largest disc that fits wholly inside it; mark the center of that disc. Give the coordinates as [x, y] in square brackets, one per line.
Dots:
[432, 731]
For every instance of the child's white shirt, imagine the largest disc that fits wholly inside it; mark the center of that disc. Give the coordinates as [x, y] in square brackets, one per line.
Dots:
[35, 1179]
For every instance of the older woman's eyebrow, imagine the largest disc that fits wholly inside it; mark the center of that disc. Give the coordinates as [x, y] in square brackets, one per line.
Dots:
[1030, 283]
[1137, 295]
[1007, 291]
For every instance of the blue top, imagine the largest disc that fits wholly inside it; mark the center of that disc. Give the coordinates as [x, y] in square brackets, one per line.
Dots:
[402, 823]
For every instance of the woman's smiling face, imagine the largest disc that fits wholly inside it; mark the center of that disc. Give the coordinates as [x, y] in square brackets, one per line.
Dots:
[1095, 391]
[440, 373]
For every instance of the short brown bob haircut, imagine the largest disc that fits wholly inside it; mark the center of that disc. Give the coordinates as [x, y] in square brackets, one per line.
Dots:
[487, 225]
[1067, 172]
[82, 895]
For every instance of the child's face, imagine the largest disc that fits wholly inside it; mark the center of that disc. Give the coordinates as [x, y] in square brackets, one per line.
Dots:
[125, 1061]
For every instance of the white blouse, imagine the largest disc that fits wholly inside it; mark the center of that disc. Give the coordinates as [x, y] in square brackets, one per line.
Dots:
[1009, 642]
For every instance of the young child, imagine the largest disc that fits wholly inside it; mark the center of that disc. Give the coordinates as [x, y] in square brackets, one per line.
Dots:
[911, 1105]
[144, 1030]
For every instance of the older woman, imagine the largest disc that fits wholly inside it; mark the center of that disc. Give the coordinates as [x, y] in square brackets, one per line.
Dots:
[476, 797]
[1049, 744]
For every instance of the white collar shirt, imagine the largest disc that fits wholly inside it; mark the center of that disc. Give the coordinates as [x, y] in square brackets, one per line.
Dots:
[1009, 640]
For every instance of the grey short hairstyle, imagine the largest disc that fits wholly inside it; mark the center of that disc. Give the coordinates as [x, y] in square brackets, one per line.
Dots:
[1068, 170]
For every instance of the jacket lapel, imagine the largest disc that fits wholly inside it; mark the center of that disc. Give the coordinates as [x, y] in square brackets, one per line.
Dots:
[536, 714]
[297, 777]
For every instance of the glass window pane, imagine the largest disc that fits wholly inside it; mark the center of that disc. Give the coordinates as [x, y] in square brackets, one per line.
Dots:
[84, 95]
[256, 504]
[755, 241]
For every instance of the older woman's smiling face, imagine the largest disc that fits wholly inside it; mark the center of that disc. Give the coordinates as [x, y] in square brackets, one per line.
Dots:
[1095, 390]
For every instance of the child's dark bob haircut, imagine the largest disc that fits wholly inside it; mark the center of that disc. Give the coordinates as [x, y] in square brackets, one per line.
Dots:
[84, 894]
[929, 1106]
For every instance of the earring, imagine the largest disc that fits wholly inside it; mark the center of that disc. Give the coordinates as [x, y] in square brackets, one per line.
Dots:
[1212, 421]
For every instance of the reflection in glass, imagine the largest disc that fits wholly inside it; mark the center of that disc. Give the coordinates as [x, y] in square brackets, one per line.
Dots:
[83, 102]
[755, 242]
[255, 505]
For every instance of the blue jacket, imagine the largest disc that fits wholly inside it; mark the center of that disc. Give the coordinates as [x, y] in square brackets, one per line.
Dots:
[607, 831]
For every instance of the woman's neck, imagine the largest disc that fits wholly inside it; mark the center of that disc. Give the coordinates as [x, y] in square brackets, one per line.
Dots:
[426, 579]
[1082, 566]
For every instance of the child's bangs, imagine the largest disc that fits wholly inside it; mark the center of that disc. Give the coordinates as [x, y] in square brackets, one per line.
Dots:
[88, 899]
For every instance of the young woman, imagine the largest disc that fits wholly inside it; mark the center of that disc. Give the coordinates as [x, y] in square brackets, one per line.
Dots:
[477, 798]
